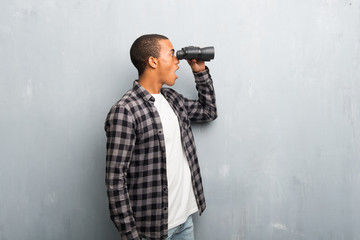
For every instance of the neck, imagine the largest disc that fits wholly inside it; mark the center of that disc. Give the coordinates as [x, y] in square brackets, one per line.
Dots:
[149, 82]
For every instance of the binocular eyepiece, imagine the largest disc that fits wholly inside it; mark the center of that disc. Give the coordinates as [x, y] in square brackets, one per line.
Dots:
[191, 52]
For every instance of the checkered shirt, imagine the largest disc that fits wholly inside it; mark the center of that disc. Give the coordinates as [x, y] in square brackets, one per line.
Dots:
[136, 161]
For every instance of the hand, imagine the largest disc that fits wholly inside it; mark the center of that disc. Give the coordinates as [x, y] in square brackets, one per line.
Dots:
[196, 65]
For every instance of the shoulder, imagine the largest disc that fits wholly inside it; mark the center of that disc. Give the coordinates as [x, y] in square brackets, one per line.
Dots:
[125, 106]
[170, 93]
[127, 101]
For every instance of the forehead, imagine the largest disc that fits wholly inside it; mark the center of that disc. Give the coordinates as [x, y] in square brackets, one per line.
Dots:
[165, 45]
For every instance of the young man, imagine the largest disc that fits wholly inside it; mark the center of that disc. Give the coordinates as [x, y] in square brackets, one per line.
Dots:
[152, 172]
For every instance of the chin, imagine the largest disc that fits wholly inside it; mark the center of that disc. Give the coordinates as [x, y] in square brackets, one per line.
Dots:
[171, 83]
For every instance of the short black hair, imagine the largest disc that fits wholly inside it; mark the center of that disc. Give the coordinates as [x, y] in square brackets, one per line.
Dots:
[144, 47]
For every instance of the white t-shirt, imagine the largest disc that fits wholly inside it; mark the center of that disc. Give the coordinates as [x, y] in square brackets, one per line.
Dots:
[181, 197]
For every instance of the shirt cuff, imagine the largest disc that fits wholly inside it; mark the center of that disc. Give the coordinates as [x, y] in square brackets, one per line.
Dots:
[203, 76]
[133, 235]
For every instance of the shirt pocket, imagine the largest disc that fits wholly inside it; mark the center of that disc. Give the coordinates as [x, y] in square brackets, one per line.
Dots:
[145, 133]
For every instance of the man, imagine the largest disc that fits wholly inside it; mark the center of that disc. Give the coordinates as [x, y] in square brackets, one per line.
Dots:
[152, 172]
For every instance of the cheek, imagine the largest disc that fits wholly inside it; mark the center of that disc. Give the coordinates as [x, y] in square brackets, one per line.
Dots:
[168, 66]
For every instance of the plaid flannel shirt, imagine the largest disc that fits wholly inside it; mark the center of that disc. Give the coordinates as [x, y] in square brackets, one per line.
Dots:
[136, 161]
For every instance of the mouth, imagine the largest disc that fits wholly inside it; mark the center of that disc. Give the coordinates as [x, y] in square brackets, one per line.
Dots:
[176, 70]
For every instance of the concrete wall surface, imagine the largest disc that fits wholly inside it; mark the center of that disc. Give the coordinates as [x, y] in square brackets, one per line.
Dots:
[281, 162]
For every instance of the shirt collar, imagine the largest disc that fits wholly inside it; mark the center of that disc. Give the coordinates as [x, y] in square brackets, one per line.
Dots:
[142, 92]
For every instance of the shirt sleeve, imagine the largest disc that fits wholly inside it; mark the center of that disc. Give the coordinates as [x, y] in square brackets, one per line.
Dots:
[204, 108]
[119, 127]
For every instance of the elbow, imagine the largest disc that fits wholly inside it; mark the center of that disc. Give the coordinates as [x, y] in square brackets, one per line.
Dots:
[214, 113]
[214, 116]
[211, 115]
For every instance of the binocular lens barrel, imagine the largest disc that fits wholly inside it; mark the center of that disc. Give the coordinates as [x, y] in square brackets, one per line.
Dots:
[204, 54]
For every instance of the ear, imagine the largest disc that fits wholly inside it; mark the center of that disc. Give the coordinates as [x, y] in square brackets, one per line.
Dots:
[153, 62]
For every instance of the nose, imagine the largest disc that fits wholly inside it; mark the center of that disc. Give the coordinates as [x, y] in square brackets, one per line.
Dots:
[176, 60]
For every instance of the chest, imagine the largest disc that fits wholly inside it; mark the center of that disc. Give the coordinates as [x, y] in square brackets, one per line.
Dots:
[155, 118]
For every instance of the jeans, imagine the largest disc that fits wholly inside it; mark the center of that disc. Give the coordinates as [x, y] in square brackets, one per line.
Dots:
[184, 231]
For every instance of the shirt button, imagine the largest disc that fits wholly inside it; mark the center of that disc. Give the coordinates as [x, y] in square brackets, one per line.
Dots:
[165, 189]
[160, 132]
[165, 209]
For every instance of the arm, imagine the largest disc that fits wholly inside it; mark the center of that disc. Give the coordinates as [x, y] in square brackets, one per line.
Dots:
[120, 144]
[203, 109]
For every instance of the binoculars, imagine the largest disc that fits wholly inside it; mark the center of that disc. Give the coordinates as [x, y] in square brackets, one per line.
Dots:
[191, 52]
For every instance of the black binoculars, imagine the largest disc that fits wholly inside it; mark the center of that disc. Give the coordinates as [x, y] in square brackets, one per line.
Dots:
[191, 52]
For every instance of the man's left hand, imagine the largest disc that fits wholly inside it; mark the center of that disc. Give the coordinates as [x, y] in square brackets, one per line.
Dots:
[196, 65]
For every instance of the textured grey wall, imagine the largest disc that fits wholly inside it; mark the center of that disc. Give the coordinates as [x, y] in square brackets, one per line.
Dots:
[281, 162]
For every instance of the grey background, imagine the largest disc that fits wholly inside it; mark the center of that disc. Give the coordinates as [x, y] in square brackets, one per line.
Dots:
[281, 162]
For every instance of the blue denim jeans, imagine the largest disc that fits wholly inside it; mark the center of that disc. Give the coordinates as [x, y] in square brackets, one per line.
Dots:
[184, 231]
